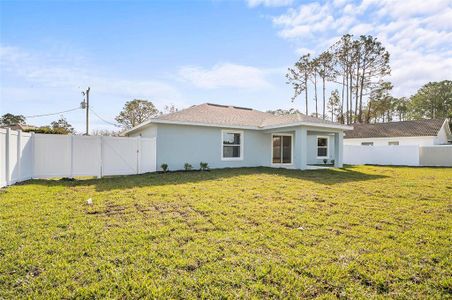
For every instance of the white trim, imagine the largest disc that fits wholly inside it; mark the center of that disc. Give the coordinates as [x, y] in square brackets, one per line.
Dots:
[391, 137]
[291, 151]
[242, 143]
[327, 146]
[301, 123]
[336, 126]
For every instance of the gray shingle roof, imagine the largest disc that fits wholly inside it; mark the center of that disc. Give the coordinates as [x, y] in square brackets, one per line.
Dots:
[215, 114]
[396, 129]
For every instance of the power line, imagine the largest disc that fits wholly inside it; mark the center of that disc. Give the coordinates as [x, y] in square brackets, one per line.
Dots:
[102, 119]
[52, 114]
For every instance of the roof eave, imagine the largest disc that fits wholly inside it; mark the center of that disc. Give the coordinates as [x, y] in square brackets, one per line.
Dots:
[313, 124]
[159, 121]
[129, 131]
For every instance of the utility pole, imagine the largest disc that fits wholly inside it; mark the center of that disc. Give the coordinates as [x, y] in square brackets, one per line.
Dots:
[85, 105]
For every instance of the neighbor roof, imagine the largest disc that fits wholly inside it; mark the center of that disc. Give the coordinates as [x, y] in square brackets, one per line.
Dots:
[210, 114]
[396, 129]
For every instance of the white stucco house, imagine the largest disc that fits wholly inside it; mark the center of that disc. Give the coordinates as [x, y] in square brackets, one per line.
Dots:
[418, 132]
[230, 136]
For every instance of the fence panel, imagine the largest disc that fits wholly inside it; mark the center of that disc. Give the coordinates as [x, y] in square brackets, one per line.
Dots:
[148, 155]
[26, 156]
[13, 163]
[52, 155]
[86, 156]
[3, 157]
[440, 155]
[119, 156]
[382, 155]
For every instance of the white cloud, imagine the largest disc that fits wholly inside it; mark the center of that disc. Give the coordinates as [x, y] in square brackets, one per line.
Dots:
[269, 3]
[417, 33]
[302, 51]
[55, 72]
[36, 83]
[225, 75]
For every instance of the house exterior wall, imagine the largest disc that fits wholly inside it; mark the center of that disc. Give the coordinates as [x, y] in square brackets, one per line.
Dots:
[177, 145]
[444, 135]
[418, 140]
[149, 131]
[180, 144]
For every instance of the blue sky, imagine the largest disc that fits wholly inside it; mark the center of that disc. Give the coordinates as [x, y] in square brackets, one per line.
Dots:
[185, 53]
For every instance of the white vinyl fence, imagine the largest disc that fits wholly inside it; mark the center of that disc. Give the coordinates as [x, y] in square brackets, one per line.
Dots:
[24, 156]
[404, 155]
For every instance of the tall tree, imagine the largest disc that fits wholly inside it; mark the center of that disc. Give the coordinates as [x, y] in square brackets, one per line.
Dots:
[334, 103]
[62, 126]
[136, 112]
[358, 65]
[374, 65]
[10, 119]
[342, 51]
[433, 100]
[299, 76]
[314, 72]
[401, 108]
[380, 102]
[327, 72]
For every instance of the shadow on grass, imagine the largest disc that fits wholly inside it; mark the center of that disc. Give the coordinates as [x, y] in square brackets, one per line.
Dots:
[325, 177]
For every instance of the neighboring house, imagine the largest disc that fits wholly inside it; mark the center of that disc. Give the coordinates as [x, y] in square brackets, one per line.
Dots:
[419, 132]
[230, 136]
[23, 127]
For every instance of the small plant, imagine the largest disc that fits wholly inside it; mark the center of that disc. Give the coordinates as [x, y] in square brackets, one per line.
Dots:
[204, 166]
[164, 167]
[325, 161]
[188, 167]
[332, 161]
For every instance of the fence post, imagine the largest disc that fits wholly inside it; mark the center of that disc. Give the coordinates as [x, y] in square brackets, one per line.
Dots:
[33, 158]
[7, 155]
[71, 175]
[19, 154]
[138, 154]
[101, 169]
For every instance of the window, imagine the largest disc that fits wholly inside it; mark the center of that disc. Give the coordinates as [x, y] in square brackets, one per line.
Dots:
[232, 145]
[322, 147]
[367, 143]
[281, 149]
[393, 143]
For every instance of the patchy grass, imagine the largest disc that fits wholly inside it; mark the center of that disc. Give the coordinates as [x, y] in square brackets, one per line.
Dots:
[361, 232]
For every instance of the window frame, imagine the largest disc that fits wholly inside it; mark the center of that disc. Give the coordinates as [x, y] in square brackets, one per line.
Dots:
[241, 145]
[291, 149]
[326, 147]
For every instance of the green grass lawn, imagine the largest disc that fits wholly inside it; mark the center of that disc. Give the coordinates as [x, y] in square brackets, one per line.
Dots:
[358, 232]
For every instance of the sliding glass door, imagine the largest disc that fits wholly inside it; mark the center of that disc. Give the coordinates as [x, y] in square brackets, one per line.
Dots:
[282, 149]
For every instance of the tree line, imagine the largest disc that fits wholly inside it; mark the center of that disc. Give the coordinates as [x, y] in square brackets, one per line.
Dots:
[355, 70]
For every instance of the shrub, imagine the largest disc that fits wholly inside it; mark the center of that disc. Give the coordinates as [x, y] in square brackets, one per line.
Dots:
[325, 161]
[164, 167]
[188, 167]
[332, 161]
[204, 166]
